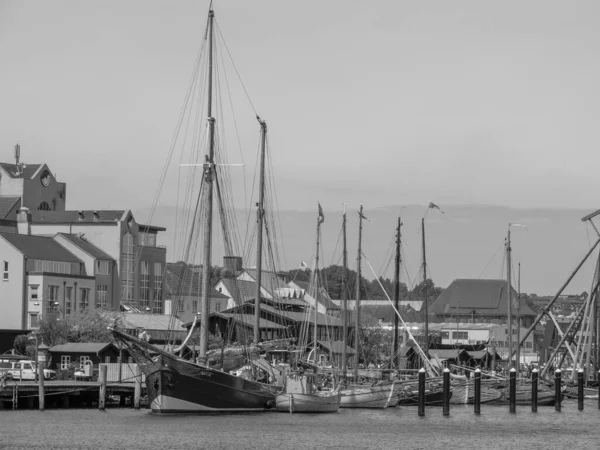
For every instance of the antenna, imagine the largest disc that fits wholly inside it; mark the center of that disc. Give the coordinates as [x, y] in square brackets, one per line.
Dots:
[17, 153]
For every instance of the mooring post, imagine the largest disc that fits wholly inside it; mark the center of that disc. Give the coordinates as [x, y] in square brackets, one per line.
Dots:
[421, 392]
[41, 393]
[580, 389]
[534, 390]
[557, 387]
[102, 396]
[446, 392]
[291, 403]
[512, 394]
[477, 391]
[599, 390]
[137, 393]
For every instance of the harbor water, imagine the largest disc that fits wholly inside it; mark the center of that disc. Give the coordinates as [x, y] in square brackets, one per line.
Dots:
[348, 429]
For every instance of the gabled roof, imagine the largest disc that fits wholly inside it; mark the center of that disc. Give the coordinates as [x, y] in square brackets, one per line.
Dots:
[447, 354]
[87, 216]
[322, 295]
[336, 347]
[86, 246]
[158, 322]
[184, 280]
[7, 204]
[81, 347]
[474, 296]
[248, 320]
[27, 170]
[304, 316]
[241, 290]
[40, 247]
[269, 280]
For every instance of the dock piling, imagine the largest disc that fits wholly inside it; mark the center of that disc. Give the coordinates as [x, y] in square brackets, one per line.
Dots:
[512, 395]
[477, 407]
[534, 390]
[421, 392]
[102, 379]
[138, 387]
[557, 387]
[446, 392]
[580, 382]
[41, 394]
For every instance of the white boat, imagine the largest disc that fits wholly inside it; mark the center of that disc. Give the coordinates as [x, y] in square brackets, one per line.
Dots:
[301, 396]
[369, 397]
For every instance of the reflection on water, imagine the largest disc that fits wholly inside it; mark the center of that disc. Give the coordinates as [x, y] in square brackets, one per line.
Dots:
[349, 429]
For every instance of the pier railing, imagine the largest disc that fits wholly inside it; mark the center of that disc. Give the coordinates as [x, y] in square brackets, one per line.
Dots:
[121, 373]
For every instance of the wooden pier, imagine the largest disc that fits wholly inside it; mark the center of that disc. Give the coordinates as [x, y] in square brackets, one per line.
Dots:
[68, 394]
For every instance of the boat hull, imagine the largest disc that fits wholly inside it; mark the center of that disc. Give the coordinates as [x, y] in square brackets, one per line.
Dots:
[326, 402]
[432, 398]
[182, 387]
[369, 397]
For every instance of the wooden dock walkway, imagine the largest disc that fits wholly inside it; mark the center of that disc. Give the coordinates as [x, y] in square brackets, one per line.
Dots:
[64, 394]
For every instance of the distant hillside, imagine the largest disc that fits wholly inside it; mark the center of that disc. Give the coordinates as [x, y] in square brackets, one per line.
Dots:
[467, 241]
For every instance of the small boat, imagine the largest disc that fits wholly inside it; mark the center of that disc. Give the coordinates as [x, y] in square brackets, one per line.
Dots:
[382, 396]
[301, 396]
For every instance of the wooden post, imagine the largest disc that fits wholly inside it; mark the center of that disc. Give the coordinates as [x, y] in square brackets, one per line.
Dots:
[557, 387]
[580, 383]
[446, 392]
[477, 391]
[138, 387]
[291, 403]
[421, 392]
[512, 397]
[102, 397]
[599, 391]
[534, 390]
[41, 383]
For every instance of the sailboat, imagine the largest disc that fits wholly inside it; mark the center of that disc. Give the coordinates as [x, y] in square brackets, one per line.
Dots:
[176, 385]
[301, 392]
[356, 395]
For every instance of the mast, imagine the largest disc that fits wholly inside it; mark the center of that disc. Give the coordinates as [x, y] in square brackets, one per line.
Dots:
[397, 292]
[260, 213]
[208, 169]
[320, 220]
[357, 302]
[344, 297]
[425, 302]
[508, 295]
[518, 319]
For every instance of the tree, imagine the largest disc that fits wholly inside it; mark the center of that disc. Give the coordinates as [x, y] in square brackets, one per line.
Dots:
[86, 326]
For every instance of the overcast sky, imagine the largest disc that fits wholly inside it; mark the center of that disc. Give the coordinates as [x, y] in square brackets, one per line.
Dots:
[384, 102]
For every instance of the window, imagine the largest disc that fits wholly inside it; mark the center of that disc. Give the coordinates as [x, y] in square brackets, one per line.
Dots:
[33, 321]
[83, 361]
[194, 305]
[44, 206]
[218, 307]
[445, 335]
[102, 267]
[5, 272]
[127, 269]
[101, 294]
[65, 362]
[33, 292]
[84, 299]
[144, 284]
[158, 304]
[39, 265]
[460, 335]
[52, 299]
[107, 359]
[68, 298]
[528, 344]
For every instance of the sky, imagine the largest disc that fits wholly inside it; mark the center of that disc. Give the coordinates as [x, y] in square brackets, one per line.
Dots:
[378, 102]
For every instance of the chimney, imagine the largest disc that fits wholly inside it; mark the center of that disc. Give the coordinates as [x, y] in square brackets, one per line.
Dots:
[80, 212]
[24, 221]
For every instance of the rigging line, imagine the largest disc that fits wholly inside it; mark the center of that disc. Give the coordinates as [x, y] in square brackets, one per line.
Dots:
[234, 66]
[491, 259]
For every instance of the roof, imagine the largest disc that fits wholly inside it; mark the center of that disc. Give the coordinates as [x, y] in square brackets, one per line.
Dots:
[474, 296]
[241, 290]
[81, 347]
[269, 280]
[184, 280]
[87, 216]
[150, 321]
[336, 347]
[248, 319]
[27, 170]
[305, 316]
[150, 228]
[7, 204]
[40, 247]
[480, 354]
[86, 246]
[322, 295]
[446, 354]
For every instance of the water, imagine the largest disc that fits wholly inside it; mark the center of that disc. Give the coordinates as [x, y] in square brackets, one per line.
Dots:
[348, 429]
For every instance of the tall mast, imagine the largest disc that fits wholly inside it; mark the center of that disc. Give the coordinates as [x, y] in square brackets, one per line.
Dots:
[518, 319]
[320, 219]
[344, 298]
[260, 212]
[508, 296]
[425, 302]
[208, 169]
[397, 293]
[357, 302]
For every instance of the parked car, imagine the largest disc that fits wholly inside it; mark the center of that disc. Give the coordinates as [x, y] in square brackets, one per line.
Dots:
[23, 370]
